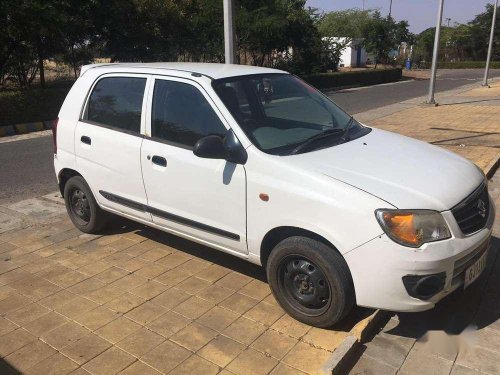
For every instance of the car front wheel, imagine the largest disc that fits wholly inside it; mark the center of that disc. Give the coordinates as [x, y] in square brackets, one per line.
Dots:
[311, 281]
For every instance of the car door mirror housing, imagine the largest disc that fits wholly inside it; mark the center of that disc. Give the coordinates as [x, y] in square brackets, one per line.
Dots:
[210, 147]
[228, 148]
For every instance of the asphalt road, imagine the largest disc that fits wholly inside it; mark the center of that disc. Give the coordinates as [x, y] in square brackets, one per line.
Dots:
[366, 98]
[26, 168]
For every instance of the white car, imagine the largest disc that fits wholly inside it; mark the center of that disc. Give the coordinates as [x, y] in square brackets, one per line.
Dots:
[256, 163]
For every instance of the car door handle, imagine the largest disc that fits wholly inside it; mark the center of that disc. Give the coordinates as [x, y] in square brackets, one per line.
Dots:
[86, 140]
[159, 160]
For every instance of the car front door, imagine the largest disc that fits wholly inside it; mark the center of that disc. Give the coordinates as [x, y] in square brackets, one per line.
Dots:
[202, 199]
[108, 141]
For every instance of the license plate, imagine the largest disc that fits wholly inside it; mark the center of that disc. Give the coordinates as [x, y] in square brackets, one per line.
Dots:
[473, 272]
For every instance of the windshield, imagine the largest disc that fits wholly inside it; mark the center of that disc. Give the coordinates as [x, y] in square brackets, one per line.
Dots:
[282, 114]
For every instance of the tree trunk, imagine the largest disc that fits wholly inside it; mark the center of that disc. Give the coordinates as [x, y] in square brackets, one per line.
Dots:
[41, 68]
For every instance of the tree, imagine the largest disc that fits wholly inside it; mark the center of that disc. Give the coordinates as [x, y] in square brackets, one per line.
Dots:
[383, 34]
[346, 23]
[480, 28]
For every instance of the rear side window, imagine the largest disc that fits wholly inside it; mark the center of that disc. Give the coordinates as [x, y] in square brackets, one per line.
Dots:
[182, 115]
[117, 102]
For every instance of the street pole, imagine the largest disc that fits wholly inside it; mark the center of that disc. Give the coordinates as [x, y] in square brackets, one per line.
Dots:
[432, 84]
[390, 9]
[487, 70]
[228, 32]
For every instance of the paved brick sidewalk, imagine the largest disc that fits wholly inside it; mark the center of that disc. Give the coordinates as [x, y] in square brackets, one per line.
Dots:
[142, 301]
[467, 122]
[461, 336]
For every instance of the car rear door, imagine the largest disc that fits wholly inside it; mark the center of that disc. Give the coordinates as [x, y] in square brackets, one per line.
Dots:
[204, 199]
[108, 141]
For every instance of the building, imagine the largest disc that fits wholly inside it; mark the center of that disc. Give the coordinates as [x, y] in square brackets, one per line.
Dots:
[353, 55]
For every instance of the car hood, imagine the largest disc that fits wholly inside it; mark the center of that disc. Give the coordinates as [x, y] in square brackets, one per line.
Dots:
[402, 171]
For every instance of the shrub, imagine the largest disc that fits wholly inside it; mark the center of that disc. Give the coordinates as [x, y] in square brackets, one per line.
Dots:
[354, 78]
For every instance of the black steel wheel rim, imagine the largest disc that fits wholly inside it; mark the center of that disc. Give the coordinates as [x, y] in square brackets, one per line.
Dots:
[80, 206]
[304, 285]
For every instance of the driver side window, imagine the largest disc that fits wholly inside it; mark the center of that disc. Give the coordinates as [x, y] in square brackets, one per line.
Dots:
[181, 115]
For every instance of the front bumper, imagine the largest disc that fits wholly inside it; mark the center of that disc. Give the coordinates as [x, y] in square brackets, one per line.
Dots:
[379, 266]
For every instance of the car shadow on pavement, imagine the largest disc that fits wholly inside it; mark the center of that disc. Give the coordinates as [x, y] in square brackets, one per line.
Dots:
[459, 311]
[7, 369]
[121, 225]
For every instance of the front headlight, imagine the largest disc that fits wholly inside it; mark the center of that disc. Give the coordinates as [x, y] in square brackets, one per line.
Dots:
[413, 227]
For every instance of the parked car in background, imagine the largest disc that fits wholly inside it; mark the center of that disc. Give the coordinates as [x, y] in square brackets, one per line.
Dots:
[256, 163]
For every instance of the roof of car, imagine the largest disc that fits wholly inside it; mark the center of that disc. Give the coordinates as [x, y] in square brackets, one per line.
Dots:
[211, 70]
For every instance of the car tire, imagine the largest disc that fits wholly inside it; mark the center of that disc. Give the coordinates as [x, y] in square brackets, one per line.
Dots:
[82, 207]
[311, 281]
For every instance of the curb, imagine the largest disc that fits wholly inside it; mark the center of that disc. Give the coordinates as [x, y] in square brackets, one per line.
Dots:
[338, 363]
[25, 128]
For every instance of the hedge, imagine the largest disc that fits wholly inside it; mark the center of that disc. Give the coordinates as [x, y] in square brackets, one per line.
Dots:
[461, 65]
[468, 65]
[354, 78]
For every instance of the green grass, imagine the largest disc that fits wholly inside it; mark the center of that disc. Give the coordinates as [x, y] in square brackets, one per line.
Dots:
[33, 104]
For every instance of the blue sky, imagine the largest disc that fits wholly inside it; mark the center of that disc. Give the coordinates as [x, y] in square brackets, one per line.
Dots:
[421, 14]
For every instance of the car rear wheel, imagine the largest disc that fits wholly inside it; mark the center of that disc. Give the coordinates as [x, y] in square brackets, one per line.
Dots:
[82, 207]
[311, 281]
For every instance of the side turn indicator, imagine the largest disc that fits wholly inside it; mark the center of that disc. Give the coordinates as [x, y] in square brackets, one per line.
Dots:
[264, 197]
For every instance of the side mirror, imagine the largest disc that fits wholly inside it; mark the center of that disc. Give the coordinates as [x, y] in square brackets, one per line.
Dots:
[210, 147]
[214, 147]
[235, 151]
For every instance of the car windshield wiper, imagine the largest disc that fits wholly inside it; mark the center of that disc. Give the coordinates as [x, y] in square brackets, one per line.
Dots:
[321, 135]
[346, 129]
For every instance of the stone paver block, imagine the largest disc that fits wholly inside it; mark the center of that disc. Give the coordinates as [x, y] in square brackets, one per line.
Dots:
[45, 323]
[218, 318]
[96, 318]
[30, 355]
[251, 361]
[146, 313]
[234, 280]
[386, 350]
[86, 348]
[265, 313]
[286, 324]
[244, 330]
[140, 342]
[14, 340]
[56, 364]
[480, 359]
[125, 303]
[283, 369]
[306, 358]
[166, 356]
[274, 343]
[194, 307]
[139, 368]
[149, 290]
[239, 303]
[370, 366]
[110, 362]
[325, 338]
[419, 362]
[171, 297]
[118, 329]
[169, 324]
[221, 350]
[196, 365]
[194, 336]
[64, 335]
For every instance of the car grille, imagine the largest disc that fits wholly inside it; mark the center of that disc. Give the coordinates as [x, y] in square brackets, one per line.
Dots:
[472, 213]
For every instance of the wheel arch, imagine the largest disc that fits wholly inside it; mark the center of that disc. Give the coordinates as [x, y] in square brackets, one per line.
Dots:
[278, 234]
[64, 175]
